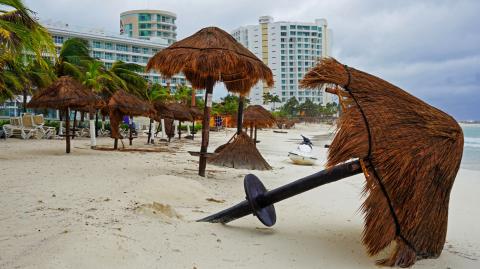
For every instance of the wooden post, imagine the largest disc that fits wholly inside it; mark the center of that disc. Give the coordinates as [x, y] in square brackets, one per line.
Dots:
[240, 114]
[251, 131]
[149, 131]
[206, 126]
[255, 139]
[179, 129]
[115, 143]
[130, 125]
[67, 129]
[74, 124]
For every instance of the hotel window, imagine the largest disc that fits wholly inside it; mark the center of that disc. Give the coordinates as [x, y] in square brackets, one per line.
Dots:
[135, 58]
[121, 47]
[146, 50]
[145, 33]
[154, 51]
[292, 33]
[108, 46]
[145, 26]
[108, 65]
[108, 56]
[283, 27]
[144, 59]
[97, 54]
[122, 57]
[135, 49]
[144, 17]
[58, 39]
[283, 33]
[97, 44]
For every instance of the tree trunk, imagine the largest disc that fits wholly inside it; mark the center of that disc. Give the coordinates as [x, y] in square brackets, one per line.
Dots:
[206, 127]
[93, 139]
[24, 101]
[96, 123]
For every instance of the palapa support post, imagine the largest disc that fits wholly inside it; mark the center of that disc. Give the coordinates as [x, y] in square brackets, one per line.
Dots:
[206, 127]
[260, 202]
[251, 131]
[255, 136]
[179, 129]
[241, 101]
[115, 143]
[74, 129]
[130, 135]
[67, 129]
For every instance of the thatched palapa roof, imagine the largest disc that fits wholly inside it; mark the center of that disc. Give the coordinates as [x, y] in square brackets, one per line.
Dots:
[410, 153]
[257, 115]
[180, 112]
[130, 105]
[212, 54]
[163, 112]
[64, 93]
[196, 113]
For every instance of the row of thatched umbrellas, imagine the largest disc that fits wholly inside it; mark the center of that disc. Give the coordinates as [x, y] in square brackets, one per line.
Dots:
[67, 94]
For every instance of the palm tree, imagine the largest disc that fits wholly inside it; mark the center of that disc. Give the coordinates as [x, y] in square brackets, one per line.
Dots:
[19, 34]
[275, 99]
[126, 74]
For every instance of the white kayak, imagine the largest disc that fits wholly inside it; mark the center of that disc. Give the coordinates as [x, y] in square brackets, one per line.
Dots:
[301, 159]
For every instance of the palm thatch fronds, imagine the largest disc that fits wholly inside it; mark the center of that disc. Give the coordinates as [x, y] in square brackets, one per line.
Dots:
[212, 54]
[121, 104]
[196, 113]
[410, 152]
[258, 116]
[180, 111]
[163, 111]
[240, 154]
[65, 93]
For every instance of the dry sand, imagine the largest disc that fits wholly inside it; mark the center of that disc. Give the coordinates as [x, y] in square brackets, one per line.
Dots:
[102, 209]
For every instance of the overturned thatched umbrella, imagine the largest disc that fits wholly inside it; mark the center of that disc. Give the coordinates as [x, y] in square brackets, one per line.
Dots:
[121, 104]
[409, 152]
[209, 56]
[240, 151]
[65, 94]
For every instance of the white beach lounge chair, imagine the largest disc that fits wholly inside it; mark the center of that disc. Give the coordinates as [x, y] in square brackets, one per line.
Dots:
[47, 131]
[16, 129]
[29, 128]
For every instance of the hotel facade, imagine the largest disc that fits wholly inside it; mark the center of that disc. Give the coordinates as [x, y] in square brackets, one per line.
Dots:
[149, 24]
[290, 49]
[108, 48]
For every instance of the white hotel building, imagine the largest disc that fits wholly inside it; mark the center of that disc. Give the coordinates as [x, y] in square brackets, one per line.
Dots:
[290, 49]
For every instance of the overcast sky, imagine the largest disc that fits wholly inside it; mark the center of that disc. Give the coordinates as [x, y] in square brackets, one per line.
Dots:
[429, 48]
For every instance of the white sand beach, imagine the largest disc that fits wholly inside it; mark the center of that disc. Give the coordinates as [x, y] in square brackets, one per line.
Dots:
[104, 209]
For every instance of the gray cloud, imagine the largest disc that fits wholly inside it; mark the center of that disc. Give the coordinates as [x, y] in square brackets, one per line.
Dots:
[431, 48]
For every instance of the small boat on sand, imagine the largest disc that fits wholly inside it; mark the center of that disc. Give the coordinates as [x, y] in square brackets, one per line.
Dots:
[303, 154]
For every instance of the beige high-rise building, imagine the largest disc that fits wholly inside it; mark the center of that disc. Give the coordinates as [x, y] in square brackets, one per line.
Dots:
[149, 24]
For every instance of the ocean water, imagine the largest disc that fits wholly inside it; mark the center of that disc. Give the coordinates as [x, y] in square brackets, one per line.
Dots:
[471, 149]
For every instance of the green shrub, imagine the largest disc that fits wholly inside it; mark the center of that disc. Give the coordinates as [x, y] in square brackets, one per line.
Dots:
[3, 122]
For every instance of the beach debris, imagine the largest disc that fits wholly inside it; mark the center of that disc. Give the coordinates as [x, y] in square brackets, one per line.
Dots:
[209, 56]
[215, 200]
[409, 152]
